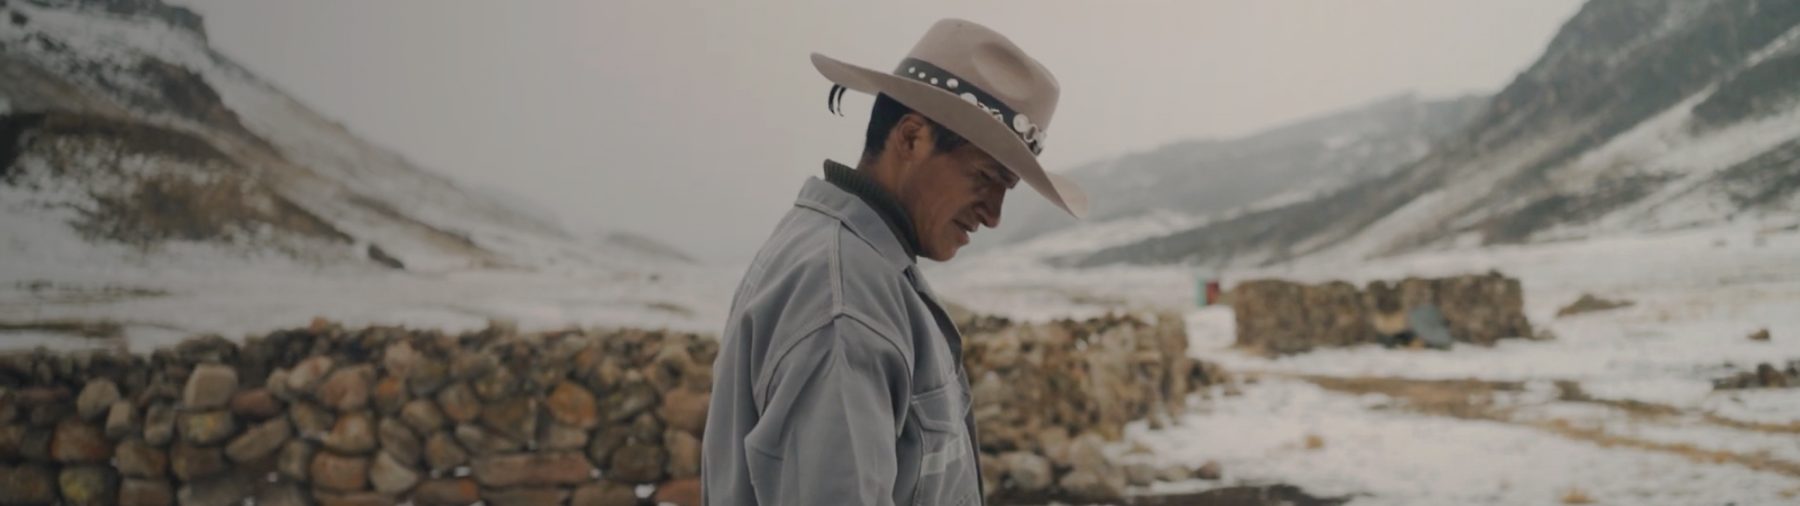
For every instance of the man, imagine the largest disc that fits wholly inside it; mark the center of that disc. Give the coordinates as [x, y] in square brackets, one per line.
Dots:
[839, 379]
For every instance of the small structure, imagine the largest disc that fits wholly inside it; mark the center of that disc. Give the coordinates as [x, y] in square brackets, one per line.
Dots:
[1283, 318]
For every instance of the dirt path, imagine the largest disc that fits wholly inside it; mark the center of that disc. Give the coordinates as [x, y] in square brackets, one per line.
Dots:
[1476, 400]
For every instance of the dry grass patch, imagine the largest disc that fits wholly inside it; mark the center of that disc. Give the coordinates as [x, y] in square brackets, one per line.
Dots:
[1588, 303]
[99, 329]
[1577, 496]
[1760, 461]
[1473, 400]
[1466, 398]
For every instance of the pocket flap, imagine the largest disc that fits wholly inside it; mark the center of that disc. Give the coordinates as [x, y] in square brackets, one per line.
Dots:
[937, 410]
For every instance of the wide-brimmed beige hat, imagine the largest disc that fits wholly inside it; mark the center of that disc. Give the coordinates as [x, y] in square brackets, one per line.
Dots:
[980, 85]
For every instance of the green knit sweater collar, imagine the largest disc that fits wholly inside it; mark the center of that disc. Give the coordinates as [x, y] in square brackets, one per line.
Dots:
[885, 205]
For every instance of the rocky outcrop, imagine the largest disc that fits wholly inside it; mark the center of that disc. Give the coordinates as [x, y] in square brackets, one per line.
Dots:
[1765, 375]
[1282, 318]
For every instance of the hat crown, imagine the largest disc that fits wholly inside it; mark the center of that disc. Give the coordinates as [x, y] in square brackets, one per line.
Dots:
[991, 62]
[977, 83]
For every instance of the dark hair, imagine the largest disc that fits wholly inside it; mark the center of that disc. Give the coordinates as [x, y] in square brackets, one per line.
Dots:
[887, 113]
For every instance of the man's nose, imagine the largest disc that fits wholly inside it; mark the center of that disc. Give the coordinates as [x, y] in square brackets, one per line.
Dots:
[989, 211]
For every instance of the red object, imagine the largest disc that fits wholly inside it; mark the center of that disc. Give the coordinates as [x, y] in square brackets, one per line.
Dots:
[1212, 292]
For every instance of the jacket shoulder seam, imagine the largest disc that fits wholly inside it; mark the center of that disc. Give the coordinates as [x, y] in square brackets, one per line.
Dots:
[812, 331]
[843, 221]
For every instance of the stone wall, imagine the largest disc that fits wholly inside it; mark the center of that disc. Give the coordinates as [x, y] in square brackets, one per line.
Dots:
[373, 417]
[1282, 317]
[327, 416]
[1049, 397]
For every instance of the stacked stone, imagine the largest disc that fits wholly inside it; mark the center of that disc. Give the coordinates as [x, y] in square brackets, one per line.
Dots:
[1283, 318]
[376, 417]
[1048, 397]
[324, 416]
[1280, 317]
[60, 418]
[1477, 309]
[1766, 375]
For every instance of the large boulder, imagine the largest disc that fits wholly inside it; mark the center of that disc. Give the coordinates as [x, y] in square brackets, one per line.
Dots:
[638, 462]
[296, 458]
[260, 441]
[141, 492]
[458, 402]
[137, 459]
[77, 441]
[206, 427]
[423, 416]
[525, 496]
[256, 404]
[684, 454]
[605, 493]
[209, 386]
[532, 469]
[443, 453]
[1029, 472]
[306, 376]
[190, 462]
[347, 389]
[573, 405]
[27, 485]
[400, 441]
[96, 398]
[354, 434]
[447, 492]
[339, 472]
[89, 485]
[516, 418]
[391, 476]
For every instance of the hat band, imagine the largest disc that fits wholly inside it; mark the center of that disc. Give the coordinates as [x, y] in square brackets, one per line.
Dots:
[925, 72]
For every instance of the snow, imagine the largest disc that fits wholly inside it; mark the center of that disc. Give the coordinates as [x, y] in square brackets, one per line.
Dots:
[1387, 457]
[1697, 294]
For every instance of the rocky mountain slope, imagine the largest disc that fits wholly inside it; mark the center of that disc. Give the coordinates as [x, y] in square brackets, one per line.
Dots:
[1641, 116]
[1292, 162]
[124, 136]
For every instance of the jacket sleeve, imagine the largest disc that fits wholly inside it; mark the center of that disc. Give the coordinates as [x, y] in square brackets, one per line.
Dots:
[833, 410]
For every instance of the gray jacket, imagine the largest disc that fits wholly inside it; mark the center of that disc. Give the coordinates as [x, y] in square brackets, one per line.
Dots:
[839, 379]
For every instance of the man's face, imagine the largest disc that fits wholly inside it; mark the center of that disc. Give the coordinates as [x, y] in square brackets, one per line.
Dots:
[951, 194]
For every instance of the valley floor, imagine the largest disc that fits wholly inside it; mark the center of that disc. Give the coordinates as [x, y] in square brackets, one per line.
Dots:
[1618, 408]
[147, 308]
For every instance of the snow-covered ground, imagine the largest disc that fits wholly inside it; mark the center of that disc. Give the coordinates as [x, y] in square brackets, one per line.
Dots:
[1649, 430]
[162, 303]
[1698, 294]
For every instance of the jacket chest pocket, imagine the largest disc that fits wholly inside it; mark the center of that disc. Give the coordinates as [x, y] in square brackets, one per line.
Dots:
[946, 464]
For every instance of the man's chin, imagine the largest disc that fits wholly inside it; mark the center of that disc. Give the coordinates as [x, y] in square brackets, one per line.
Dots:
[940, 254]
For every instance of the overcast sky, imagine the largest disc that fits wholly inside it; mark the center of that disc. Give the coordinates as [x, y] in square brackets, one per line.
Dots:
[696, 122]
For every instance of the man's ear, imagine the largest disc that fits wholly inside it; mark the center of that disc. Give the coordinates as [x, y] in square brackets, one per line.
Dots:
[910, 140]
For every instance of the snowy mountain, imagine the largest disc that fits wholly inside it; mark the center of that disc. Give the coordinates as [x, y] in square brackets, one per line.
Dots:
[149, 184]
[1208, 176]
[125, 136]
[1640, 117]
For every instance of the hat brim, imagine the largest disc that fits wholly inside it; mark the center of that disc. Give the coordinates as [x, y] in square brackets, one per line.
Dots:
[980, 128]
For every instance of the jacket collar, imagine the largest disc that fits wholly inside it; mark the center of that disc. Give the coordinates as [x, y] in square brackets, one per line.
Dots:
[861, 185]
[856, 215]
